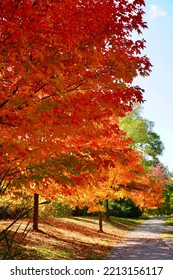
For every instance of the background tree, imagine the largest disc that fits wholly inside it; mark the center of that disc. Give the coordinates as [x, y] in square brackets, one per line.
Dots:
[144, 138]
[126, 179]
[166, 208]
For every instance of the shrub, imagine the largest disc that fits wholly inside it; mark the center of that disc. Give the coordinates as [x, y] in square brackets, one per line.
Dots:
[55, 209]
[9, 245]
[124, 208]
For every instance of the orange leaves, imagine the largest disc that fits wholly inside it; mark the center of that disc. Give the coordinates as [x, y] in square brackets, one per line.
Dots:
[96, 208]
[66, 77]
[126, 178]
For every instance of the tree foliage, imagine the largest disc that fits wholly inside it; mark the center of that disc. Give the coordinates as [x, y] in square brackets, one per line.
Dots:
[124, 208]
[144, 138]
[66, 73]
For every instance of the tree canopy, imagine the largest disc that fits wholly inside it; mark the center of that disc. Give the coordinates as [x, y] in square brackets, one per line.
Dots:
[66, 73]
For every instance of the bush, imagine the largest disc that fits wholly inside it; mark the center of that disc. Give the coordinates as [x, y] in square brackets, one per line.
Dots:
[4, 212]
[83, 212]
[54, 209]
[14, 208]
[124, 208]
[9, 245]
[80, 212]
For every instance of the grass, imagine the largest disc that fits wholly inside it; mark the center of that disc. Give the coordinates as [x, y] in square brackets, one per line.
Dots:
[168, 235]
[71, 238]
[125, 223]
[169, 221]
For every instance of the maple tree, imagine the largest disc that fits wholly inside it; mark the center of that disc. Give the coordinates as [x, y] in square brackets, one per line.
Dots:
[66, 73]
[159, 172]
[125, 179]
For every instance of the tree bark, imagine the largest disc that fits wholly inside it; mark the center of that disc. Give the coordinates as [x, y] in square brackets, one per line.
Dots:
[107, 210]
[35, 216]
[100, 222]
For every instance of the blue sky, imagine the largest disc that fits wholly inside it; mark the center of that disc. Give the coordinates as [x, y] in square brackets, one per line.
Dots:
[159, 86]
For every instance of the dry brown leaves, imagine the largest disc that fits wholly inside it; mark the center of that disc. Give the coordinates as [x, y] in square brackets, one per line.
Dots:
[67, 238]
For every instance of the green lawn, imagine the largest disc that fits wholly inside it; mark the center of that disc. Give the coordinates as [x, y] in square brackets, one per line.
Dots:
[169, 222]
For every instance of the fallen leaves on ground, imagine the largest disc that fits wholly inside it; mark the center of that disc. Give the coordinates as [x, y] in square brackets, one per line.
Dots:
[67, 238]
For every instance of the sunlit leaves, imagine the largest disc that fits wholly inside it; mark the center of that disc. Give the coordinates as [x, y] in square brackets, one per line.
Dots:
[66, 76]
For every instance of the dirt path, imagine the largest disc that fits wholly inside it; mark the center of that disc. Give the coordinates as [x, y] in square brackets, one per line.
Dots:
[146, 242]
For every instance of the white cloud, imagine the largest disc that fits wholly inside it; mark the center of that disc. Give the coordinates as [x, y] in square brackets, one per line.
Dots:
[156, 11]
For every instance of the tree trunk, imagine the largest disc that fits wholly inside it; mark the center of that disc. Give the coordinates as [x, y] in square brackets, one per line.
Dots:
[107, 210]
[100, 222]
[35, 217]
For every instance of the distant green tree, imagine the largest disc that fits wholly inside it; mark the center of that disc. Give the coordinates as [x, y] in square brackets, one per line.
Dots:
[124, 207]
[143, 137]
[166, 208]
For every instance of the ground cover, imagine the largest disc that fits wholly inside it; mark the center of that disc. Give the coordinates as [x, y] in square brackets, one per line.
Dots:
[68, 238]
[169, 223]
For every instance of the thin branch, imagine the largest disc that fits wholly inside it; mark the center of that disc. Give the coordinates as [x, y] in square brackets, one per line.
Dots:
[7, 100]
[81, 81]
[75, 87]
[8, 124]
[3, 103]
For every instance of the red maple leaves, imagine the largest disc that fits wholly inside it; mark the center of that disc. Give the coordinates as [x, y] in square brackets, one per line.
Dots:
[66, 76]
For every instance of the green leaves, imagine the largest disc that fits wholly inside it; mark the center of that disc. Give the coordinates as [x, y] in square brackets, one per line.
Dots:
[144, 138]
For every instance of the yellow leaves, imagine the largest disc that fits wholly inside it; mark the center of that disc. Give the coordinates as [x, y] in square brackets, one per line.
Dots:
[96, 208]
[169, 181]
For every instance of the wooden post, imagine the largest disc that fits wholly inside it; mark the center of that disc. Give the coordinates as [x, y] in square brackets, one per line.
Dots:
[35, 216]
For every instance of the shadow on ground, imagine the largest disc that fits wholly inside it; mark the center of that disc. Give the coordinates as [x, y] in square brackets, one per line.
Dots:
[146, 242]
